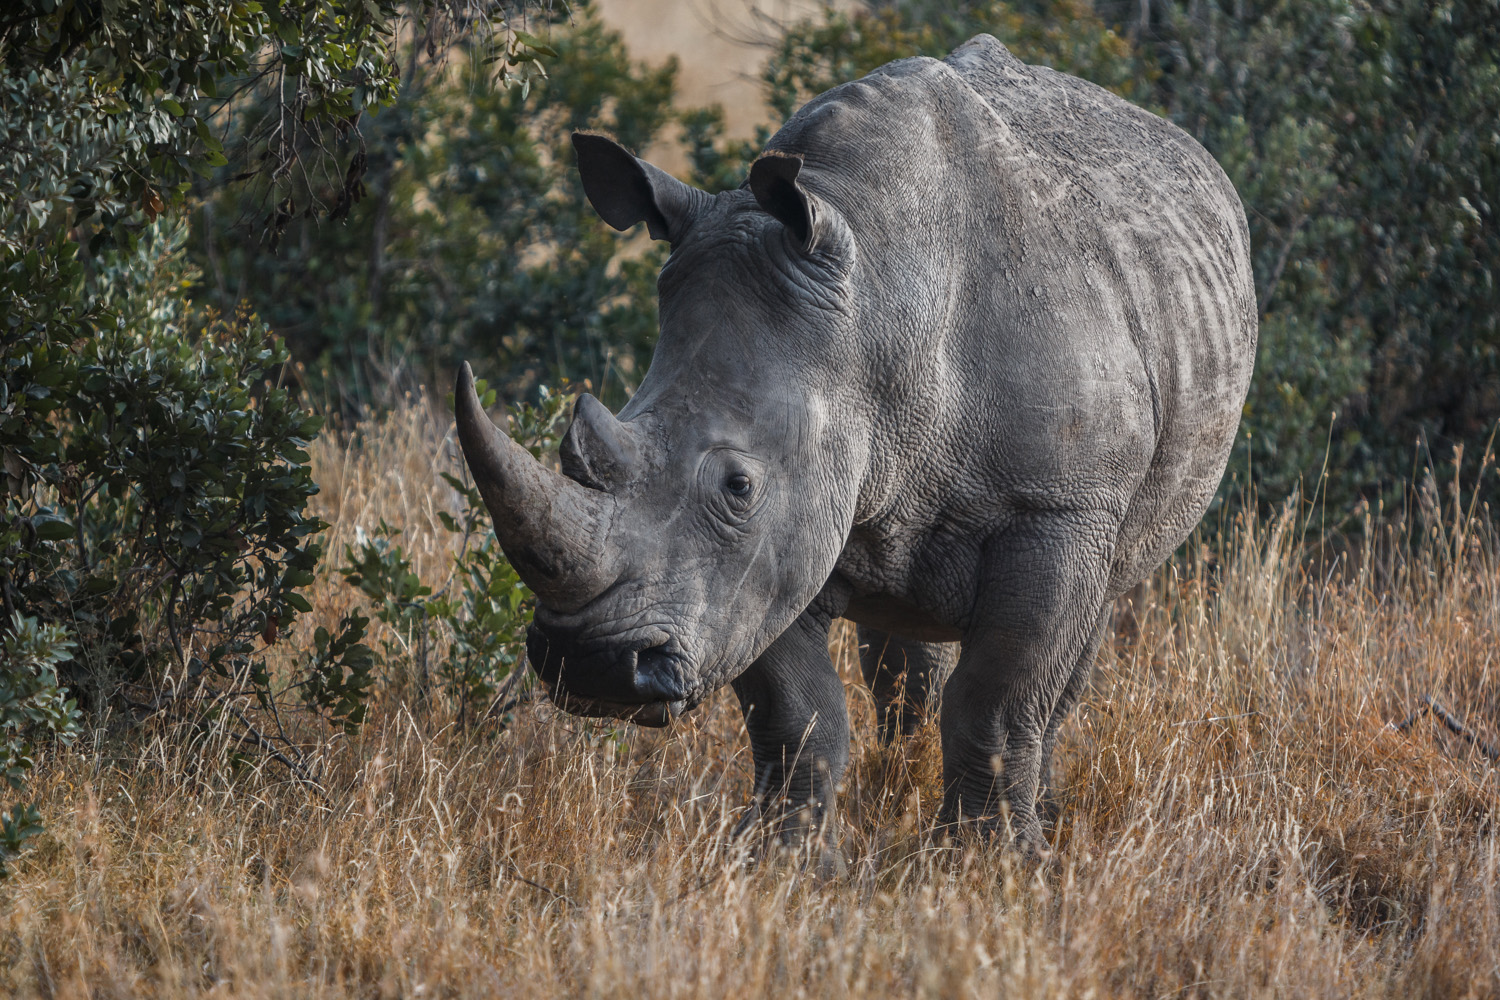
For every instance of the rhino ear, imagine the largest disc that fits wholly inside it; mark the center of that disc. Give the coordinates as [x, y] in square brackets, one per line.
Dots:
[773, 181]
[625, 190]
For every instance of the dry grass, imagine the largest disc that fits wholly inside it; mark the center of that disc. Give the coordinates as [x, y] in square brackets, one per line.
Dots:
[1239, 819]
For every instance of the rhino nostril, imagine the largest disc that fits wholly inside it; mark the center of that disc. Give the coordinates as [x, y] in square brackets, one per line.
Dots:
[657, 672]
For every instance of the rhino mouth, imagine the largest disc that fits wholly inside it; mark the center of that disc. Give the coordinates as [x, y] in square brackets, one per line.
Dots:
[655, 715]
[642, 681]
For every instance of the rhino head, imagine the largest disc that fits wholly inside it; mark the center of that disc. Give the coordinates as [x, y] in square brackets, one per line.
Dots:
[683, 536]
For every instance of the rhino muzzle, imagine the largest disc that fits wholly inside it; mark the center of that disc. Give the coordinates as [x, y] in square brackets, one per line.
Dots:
[640, 683]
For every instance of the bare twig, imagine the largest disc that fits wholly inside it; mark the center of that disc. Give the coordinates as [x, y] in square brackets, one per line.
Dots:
[254, 735]
[503, 702]
[560, 896]
[1427, 703]
[1215, 718]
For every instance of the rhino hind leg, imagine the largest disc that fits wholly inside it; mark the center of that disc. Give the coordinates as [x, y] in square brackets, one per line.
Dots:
[1035, 620]
[793, 701]
[903, 675]
[1078, 682]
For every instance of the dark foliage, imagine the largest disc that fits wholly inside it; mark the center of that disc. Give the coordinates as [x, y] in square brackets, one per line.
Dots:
[474, 238]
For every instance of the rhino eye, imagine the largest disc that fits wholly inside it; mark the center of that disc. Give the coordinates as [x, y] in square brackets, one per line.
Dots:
[738, 484]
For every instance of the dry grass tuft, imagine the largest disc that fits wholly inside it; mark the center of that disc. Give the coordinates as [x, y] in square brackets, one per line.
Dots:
[1238, 818]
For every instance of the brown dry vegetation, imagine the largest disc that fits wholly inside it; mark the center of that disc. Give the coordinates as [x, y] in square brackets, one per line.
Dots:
[1238, 819]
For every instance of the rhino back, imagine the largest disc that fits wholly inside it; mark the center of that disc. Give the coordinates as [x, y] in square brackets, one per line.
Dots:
[1056, 310]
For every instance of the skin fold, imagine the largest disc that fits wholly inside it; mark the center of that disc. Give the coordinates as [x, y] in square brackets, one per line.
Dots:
[962, 361]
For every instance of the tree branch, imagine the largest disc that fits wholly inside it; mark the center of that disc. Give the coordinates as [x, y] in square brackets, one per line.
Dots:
[1427, 703]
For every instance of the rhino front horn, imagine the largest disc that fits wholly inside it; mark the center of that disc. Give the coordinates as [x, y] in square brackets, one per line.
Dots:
[551, 528]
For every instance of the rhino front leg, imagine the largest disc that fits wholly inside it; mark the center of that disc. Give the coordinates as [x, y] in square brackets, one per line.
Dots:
[902, 675]
[1035, 615]
[794, 710]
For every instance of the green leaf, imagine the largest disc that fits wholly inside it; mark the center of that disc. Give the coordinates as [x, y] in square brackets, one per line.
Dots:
[54, 530]
[207, 137]
[535, 44]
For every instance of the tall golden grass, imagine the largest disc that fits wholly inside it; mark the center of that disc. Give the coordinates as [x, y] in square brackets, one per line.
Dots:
[1239, 818]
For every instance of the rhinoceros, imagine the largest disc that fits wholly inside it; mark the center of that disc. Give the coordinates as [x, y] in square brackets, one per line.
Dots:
[961, 361]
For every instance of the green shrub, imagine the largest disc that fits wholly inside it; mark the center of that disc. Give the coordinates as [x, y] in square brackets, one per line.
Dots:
[156, 509]
[161, 515]
[154, 526]
[473, 238]
[109, 111]
[31, 701]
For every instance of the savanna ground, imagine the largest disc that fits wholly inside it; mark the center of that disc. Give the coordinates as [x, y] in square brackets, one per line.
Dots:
[1239, 817]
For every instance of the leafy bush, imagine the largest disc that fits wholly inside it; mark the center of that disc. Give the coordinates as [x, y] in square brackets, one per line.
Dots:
[1068, 35]
[340, 673]
[162, 517]
[109, 111]
[154, 525]
[31, 700]
[157, 502]
[1417, 129]
[474, 238]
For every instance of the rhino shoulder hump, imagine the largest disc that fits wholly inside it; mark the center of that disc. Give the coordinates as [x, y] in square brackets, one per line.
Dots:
[989, 53]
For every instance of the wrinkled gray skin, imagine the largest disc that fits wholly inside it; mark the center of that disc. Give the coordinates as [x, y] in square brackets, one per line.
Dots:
[962, 362]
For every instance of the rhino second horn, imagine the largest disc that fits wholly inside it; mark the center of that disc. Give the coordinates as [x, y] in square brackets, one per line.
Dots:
[597, 451]
[551, 528]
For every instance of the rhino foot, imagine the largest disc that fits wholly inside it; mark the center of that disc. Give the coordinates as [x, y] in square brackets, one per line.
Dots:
[785, 843]
[1026, 838]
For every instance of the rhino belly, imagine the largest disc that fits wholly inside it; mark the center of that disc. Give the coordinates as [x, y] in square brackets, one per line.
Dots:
[892, 614]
